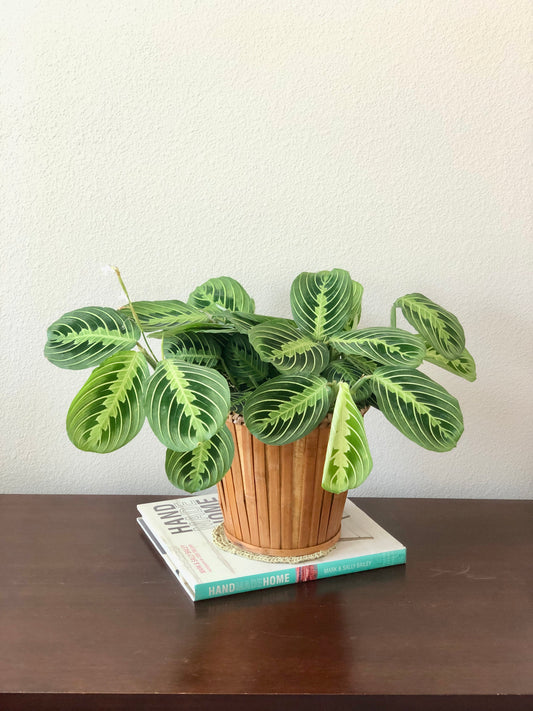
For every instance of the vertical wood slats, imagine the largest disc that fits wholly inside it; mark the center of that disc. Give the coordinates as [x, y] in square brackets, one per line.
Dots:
[318, 492]
[260, 474]
[286, 495]
[307, 489]
[243, 450]
[272, 496]
[298, 464]
[235, 486]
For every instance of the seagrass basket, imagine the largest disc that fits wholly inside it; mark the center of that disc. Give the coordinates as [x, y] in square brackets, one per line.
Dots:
[272, 499]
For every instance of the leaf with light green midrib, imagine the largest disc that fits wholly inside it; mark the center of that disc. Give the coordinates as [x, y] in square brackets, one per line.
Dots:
[107, 412]
[220, 293]
[348, 461]
[199, 358]
[410, 399]
[180, 385]
[200, 455]
[377, 343]
[464, 366]
[384, 344]
[203, 466]
[321, 302]
[321, 312]
[296, 405]
[292, 348]
[437, 324]
[97, 335]
[191, 354]
[118, 393]
[420, 408]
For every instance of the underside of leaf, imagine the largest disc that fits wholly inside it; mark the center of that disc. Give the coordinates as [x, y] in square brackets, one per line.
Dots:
[348, 461]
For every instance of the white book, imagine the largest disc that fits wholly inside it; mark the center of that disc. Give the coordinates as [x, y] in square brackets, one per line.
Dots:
[181, 531]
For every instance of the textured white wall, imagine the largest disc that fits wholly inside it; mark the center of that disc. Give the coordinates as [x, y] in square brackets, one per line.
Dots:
[187, 139]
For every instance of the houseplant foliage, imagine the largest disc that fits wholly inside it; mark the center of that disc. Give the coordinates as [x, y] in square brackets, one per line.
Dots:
[282, 375]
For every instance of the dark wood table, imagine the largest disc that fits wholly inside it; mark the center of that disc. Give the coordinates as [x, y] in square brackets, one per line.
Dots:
[91, 618]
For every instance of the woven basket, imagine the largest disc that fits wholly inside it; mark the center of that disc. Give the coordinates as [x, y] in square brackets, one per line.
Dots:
[272, 499]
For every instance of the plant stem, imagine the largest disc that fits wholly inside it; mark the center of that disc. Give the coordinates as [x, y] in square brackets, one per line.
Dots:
[358, 384]
[134, 313]
[393, 315]
[148, 357]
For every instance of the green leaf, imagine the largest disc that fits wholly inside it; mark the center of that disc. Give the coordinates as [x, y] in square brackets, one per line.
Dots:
[164, 315]
[286, 408]
[85, 337]
[241, 322]
[438, 326]
[463, 366]
[108, 410]
[279, 342]
[355, 309]
[348, 461]
[195, 327]
[386, 345]
[200, 348]
[238, 398]
[185, 403]
[203, 466]
[222, 292]
[244, 362]
[350, 370]
[322, 302]
[419, 407]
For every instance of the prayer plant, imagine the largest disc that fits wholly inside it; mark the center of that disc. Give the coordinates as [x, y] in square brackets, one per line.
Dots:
[283, 376]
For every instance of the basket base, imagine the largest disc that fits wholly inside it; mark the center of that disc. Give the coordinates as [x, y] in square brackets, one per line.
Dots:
[283, 552]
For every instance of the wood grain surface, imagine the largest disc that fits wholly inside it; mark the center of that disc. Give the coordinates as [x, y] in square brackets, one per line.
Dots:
[90, 617]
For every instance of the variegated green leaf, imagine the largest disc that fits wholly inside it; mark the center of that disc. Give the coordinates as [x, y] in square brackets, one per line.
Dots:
[419, 407]
[200, 348]
[286, 408]
[241, 322]
[108, 410]
[164, 315]
[463, 366]
[350, 371]
[238, 398]
[355, 309]
[348, 461]
[222, 292]
[280, 343]
[194, 327]
[185, 403]
[438, 326]
[85, 337]
[386, 345]
[244, 363]
[203, 466]
[322, 302]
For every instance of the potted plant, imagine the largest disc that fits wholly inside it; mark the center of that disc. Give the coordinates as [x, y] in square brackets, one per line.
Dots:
[269, 409]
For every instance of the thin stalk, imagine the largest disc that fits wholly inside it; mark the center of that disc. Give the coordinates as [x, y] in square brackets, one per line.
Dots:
[153, 360]
[393, 315]
[358, 384]
[148, 357]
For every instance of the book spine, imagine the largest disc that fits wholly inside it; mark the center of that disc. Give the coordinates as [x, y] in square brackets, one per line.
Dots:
[301, 574]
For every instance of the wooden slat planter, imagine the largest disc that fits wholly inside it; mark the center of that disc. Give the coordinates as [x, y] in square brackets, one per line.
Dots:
[272, 499]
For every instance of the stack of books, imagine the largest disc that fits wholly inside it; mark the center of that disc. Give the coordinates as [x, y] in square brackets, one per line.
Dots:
[181, 530]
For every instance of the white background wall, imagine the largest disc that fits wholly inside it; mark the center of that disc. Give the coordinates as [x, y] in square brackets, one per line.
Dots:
[187, 139]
